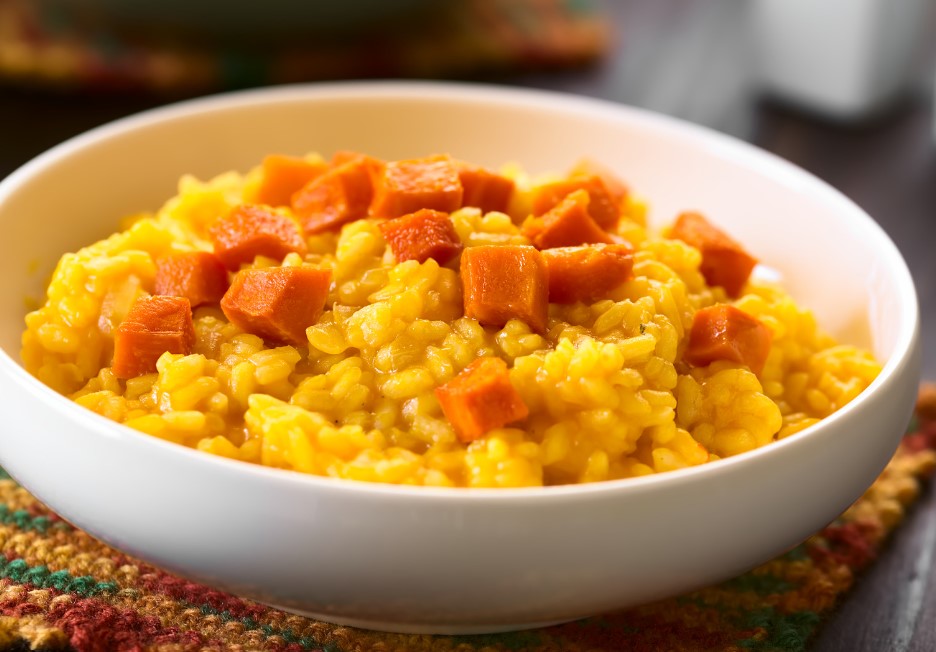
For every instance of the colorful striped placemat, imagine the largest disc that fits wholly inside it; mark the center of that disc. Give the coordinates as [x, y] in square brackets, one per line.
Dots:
[61, 589]
[42, 43]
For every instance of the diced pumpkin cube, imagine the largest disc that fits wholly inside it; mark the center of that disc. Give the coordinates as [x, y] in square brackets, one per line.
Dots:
[723, 332]
[602, 206]
[587, 273]
[277, 303]
[724, 261]
[154, 325]
[566, 225]
[480, 399]
[341, 195]
[406, 186]
[484, 189]
[422, 235]
[612, 183]
[249, 231]
[343, 156]
[282, 176]
[196, 275]
[507, 282]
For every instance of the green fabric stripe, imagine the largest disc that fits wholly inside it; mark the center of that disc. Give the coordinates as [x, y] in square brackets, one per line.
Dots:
[521, 640]
[26, 522]
[86, 586]
[787, 632]
[249, 623]
[761, 584]
[796, 554]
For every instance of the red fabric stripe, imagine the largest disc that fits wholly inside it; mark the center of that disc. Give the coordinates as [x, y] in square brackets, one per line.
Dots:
[155, 580]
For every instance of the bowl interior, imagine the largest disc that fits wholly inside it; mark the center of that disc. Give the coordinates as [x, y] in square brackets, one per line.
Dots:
[830, 257]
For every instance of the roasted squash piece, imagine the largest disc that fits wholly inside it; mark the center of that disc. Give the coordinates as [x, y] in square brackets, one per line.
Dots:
[612, 183]
[277, 303]
[422, 235]
[724, 261]
[566, 225]
[249, 231]
[507, 282]
[153, 326]
[196, 275]
[343, 156]
[723, 332]
[406, 186]
[587, 273]
[480, 399]
[282, 176]
[484, 189]
[602, 206]
[341, 195]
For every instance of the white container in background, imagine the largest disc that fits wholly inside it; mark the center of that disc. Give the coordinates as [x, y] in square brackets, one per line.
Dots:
[844, 58]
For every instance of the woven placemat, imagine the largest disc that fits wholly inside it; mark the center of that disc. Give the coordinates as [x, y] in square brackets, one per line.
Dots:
[61, 589]
[39, 44]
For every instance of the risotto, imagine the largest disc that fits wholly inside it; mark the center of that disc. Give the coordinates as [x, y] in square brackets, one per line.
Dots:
[432, 322]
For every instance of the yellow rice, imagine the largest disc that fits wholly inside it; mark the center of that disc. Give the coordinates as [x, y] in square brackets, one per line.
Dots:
[608, 392]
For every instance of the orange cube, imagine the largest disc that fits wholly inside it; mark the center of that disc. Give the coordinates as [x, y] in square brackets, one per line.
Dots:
[277, 303]
[602, 206]
[724, 261]
[196, 275]
[250, 231]
[589, 168]
[343, 156]
[484, 189]
[284, 175]
[341, 195]
[153, 326]
[480, 399]
[566, 225]
[406, 186]
[422, 235]
[507, 282]
[587, 273]
[722, 332]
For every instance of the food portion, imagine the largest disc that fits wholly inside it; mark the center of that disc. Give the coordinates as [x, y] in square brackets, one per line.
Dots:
[430, 321]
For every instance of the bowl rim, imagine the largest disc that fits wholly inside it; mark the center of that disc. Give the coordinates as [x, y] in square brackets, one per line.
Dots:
[710, 141]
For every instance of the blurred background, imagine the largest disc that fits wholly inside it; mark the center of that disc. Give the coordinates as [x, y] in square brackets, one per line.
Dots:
[843, 88]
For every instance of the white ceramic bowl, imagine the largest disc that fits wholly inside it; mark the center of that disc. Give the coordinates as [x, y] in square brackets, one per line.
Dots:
[437, 560]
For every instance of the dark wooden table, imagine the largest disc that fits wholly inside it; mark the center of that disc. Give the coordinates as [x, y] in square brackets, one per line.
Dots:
[690, 58]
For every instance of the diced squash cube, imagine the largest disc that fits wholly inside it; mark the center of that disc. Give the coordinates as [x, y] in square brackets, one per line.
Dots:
[612, 183]
[480, 399]
[341, 195]
[724, 261]
[282, 176]
[406, 186]
[602, 206]
[277, 303]
[249, 231]
[196, 275]
[422, 235]
[484, 189]
[507, 282]
[723, 332]
[343, 156]
[154, 325]
[587, 273]
[566, 225]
